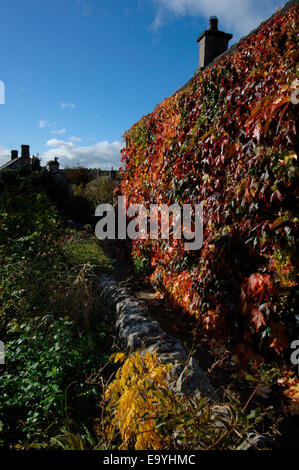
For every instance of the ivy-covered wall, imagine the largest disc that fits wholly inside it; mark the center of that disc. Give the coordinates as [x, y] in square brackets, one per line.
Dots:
[228, 139]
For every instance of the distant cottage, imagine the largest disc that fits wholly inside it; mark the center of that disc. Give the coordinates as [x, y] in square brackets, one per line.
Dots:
[25, 161]
[16, 162]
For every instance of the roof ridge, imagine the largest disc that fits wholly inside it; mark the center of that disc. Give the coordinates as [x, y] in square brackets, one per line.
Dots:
[277, 13]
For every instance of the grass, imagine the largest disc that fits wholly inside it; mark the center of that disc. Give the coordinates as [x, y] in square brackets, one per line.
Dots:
[83, 248]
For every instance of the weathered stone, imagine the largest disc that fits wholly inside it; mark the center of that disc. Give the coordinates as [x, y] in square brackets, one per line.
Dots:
[169, 345]
[142, 328]
[135, 342]
[125, 321]
[193, 379]
[255, 441]
[136, 331]
[221, 415]
[127, 306]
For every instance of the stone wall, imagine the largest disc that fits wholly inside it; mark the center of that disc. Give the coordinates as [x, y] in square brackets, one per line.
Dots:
[137, 331]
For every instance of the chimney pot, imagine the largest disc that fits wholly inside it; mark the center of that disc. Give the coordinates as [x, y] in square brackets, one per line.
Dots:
[214, 23]
[14, 154]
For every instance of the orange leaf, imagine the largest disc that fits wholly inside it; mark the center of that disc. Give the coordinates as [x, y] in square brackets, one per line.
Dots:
[257, 318]
[279, 337]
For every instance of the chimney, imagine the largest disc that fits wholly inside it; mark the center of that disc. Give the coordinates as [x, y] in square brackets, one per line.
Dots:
[25, 152]
[54, 165]
[112, 174]
[14, 154]
[212, 43]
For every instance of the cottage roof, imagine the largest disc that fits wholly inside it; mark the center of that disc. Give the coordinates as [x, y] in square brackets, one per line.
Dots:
[10, 163]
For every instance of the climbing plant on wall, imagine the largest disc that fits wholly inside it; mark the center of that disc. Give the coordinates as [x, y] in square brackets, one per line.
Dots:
[228, 139]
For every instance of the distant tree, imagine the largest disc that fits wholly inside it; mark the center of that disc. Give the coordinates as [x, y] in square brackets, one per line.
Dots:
[35, 163]
[79, 175]
[98, 191]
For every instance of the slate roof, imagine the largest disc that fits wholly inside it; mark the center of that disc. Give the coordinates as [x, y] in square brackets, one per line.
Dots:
[8, 164]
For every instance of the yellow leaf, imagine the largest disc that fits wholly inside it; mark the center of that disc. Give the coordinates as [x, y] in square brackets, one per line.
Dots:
[251, 378]
[277, 222]
[117, 357]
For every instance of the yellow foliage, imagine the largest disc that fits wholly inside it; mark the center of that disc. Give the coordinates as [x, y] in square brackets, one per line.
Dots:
[117, 357]
[136, 399]
[141, 412]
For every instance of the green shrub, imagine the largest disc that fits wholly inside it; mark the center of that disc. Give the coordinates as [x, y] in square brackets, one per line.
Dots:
[44, 382]
[24, 209]
[98, 191]
[31, 269]
[142, 266]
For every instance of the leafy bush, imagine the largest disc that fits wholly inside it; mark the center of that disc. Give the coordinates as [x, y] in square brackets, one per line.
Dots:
[97, 191]
[50, 275]
[143, 413]
[30, 271]
[24, 208]
[44, 382]
[133, 397]
[141, 265]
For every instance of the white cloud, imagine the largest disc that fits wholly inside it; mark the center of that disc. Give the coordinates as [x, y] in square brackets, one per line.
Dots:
[75, 139]
[236, 16]
[44, 123]
[102, 154]
[59, 131]
[4, 156]
[68, 105]
[59, 143]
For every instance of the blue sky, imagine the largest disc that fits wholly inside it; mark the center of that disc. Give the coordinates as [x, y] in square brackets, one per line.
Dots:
[79, 73]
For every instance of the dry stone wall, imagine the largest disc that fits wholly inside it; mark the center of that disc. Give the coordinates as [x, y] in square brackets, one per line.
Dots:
[137, 331]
